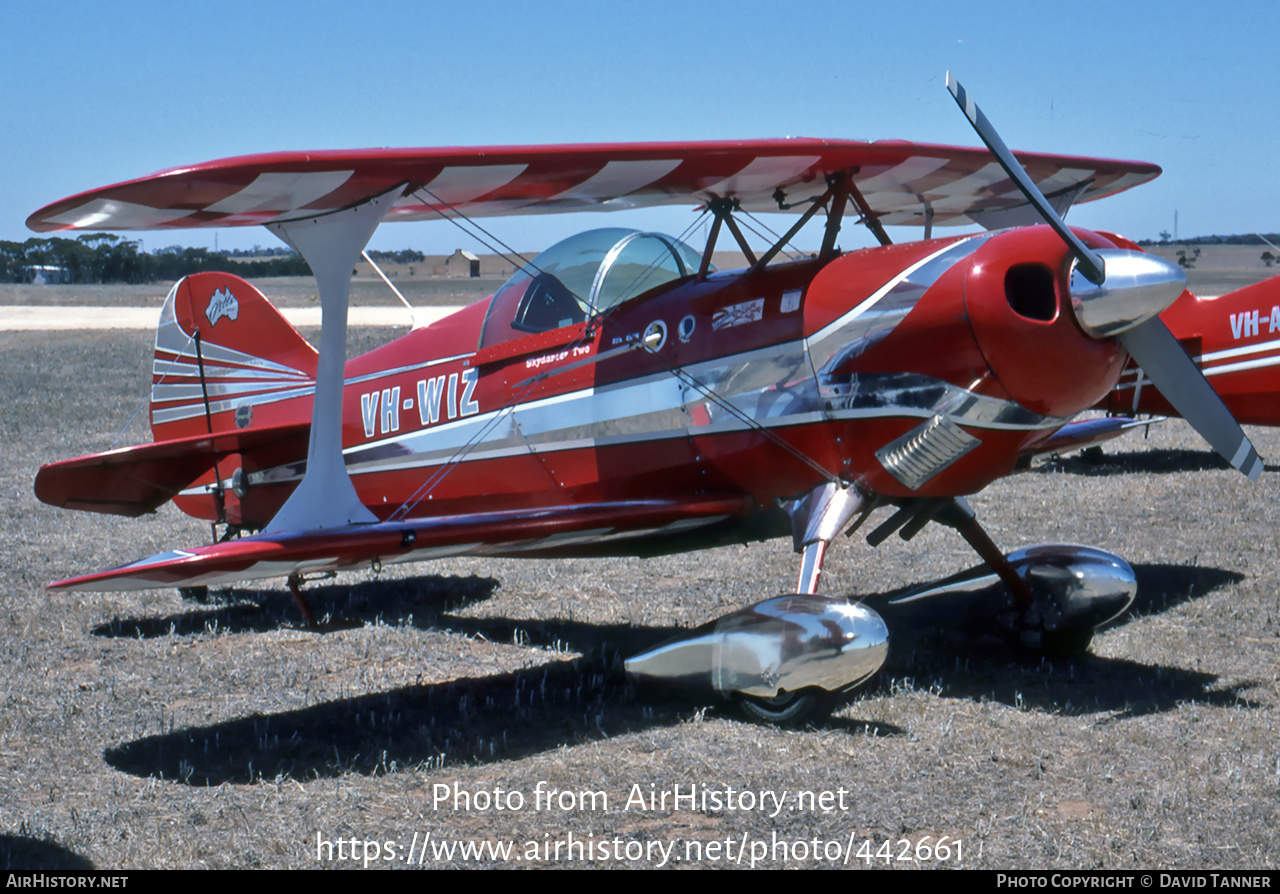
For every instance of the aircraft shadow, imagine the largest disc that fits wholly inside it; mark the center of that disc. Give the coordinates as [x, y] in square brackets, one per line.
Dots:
[1162, 586]
[565, 702]
[1085, 685]
[418, 600]
[425, 603]
[1095, 462]
[480, 720]
[23, 852]
[498, 717]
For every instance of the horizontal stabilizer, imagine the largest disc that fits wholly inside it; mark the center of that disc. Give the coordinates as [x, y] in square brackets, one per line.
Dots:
[281, 553]
[133, 481]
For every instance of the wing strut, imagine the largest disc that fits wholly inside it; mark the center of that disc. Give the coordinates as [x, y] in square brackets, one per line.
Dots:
[796, 227]
[331, 245]
[413, 317]
[840, 189]
[840, 197]
[722, 210]
[871, 220]
[705, 266]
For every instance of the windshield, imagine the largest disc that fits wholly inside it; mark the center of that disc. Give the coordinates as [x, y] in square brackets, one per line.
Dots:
[582, 276]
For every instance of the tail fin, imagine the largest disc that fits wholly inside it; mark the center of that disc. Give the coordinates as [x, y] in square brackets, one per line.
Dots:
[226, 359]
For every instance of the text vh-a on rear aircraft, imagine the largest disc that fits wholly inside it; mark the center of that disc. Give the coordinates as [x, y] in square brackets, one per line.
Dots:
[619, 396]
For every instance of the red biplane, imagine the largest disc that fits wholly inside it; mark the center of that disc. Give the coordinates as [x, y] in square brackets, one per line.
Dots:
[618, 395]
[1232, 338]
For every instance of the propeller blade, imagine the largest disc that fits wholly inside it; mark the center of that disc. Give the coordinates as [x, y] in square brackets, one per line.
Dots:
[1089, 262]
[1154, 348]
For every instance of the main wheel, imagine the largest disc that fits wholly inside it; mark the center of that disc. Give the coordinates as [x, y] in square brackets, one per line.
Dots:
[789, 708]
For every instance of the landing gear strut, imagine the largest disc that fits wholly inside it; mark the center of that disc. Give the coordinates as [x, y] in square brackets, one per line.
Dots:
[295, 590]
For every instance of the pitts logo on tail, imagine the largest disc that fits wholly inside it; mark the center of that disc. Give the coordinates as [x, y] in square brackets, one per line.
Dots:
[222, 304]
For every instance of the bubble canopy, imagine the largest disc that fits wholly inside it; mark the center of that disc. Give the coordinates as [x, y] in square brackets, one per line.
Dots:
[583, 276]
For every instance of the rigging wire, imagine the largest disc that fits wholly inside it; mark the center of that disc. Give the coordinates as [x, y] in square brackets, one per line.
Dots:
[771, 234]
[506, 252]
[120, 434]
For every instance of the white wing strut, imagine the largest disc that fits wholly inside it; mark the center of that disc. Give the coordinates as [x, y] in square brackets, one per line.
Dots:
[331, 244]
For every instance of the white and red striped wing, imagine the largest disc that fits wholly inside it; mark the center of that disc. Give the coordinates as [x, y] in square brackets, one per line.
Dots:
[900, 180]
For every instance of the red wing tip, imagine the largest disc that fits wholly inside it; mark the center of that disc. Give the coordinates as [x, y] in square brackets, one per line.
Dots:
[64, 586]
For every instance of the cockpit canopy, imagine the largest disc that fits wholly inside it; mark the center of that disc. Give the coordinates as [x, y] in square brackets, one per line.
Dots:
[584, 276]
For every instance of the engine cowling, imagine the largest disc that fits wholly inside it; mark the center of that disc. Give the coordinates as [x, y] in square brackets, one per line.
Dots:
[1018, 300]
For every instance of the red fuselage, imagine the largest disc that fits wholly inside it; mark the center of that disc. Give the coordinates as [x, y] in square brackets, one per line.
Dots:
[918, 370]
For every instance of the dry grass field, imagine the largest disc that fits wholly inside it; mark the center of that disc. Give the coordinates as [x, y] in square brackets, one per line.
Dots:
[138, 730]
[1221, 268]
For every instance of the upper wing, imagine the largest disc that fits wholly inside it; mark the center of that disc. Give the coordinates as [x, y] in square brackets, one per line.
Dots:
[902, 182]
[537, 532]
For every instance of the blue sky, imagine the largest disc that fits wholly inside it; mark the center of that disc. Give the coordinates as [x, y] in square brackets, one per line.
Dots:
[95, 93]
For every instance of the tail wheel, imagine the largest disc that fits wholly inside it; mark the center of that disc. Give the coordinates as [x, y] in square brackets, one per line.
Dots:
[194, 594]
[789, 708]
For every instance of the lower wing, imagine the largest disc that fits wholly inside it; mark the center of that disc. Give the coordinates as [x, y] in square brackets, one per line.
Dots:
[1085, 433]
[538, 531]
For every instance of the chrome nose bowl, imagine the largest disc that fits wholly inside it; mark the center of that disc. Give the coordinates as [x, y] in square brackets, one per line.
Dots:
[1137, 287]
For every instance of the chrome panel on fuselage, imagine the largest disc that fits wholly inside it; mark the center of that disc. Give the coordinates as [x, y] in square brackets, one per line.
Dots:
[864, 326]
[914, 394]
[773, 387]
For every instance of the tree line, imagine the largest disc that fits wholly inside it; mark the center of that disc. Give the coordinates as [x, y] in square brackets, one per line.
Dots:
[107, 258]
[1166, 238]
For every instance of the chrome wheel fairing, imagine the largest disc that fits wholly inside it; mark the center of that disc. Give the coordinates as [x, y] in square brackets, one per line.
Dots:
[789, 644]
